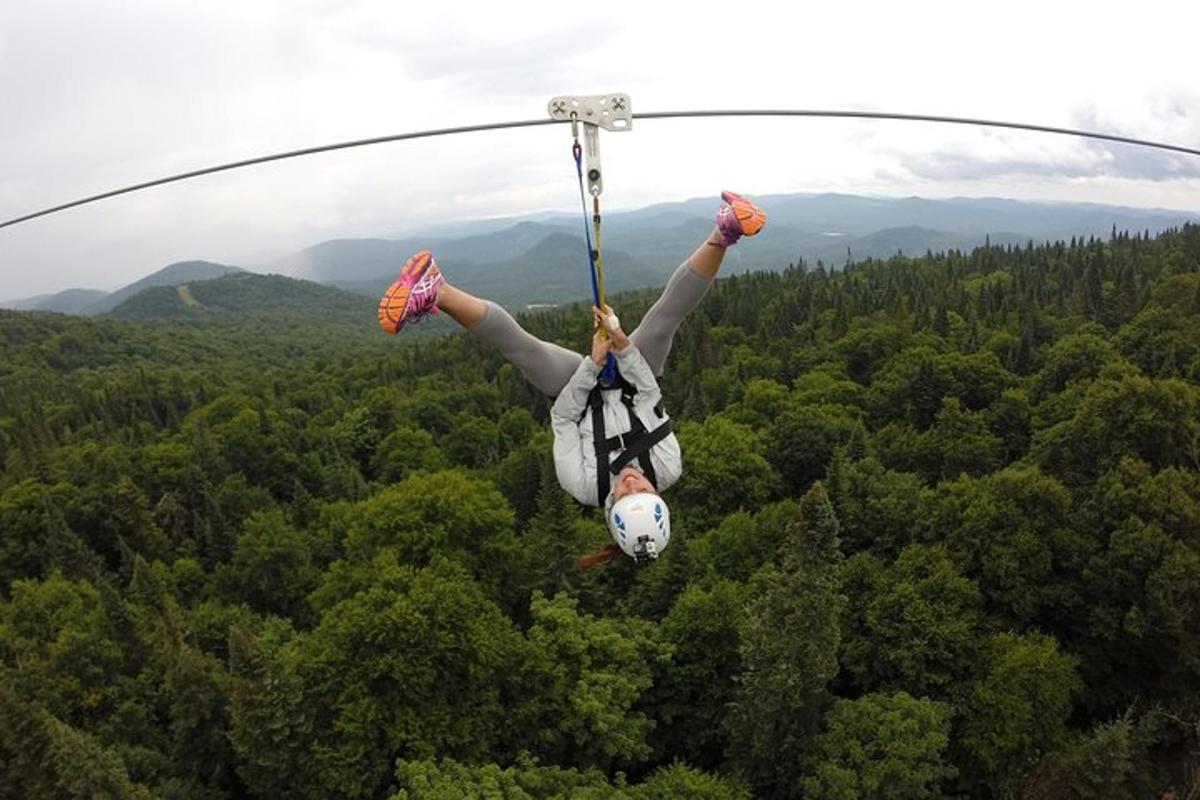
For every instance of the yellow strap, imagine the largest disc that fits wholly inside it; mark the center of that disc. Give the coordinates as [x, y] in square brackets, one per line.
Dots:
[599, 268]
[599, 261]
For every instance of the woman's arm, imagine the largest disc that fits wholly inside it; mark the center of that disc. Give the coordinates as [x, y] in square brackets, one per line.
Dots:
[633, 365]
[569, 455]
[571, 401]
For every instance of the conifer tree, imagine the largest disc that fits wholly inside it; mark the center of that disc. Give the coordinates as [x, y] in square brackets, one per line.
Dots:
[549, 542]
[789, 643]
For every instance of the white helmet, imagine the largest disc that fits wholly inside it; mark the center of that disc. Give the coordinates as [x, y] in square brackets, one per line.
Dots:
[640, 524]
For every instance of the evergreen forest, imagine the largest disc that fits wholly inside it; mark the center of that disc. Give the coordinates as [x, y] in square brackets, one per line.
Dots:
[938, 536]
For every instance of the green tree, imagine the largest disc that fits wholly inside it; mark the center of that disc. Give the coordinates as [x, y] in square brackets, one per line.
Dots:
[1156, 421]
[403, 452]
[516, 427]
[680, 780]
[554, 539]
[61, 646]
[743, 542]
[914, 626]
[789, 642]
[1017, 708]
[450, 514]
[960, 442]
[592, 673]
[38, 538]
[761, 401]
[802, 439]
[1162, 339]
[473, 442]
[272, 723]
[423, 668]
[881, 747]
[115, 516]
[691, 697]
[451, 780]
[46, 759]
[1074, 358]
[357, 436]
[877, 508]
[518, 475]
[272, 569]
[726, 470]
[198, 758]
[1143, 613]
[1011, 533]
[527, 780]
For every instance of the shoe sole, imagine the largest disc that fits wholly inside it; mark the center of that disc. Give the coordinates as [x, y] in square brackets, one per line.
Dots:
[393, 307]
[749, 216]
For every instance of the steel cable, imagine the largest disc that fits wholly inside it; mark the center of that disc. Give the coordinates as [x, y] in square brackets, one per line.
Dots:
[871, 115]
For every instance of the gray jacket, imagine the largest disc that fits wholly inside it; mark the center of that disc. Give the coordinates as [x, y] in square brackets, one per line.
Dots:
[574, 451]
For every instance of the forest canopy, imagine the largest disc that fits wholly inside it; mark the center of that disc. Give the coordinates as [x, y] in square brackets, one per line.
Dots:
[938, 536]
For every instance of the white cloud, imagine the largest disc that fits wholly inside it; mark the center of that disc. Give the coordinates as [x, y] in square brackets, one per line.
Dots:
[102, 93]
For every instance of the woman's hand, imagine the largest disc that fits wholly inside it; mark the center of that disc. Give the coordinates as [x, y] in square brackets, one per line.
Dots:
[607, 321]
[600, 347]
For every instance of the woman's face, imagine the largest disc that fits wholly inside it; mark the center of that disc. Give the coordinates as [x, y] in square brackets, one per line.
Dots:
[631, 481]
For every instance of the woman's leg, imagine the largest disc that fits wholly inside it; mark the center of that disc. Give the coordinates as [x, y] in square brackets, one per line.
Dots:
[684, 291]
[547, 366]
[737, 217]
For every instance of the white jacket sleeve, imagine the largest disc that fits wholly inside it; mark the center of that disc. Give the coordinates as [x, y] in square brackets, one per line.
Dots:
[635, 369]
[569, 453]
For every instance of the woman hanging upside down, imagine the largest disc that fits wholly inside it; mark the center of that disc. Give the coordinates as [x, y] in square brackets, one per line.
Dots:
[622, 424]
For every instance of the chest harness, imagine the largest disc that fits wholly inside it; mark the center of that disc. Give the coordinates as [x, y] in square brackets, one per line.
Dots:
[635, 444]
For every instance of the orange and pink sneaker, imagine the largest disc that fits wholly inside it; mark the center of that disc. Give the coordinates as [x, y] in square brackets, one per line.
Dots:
[738, 217]
[413, 296]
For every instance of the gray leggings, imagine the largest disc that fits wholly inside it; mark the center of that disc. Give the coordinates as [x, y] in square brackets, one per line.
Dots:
[548, 366]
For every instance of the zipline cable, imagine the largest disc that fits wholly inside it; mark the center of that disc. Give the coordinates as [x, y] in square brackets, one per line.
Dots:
[871, 115]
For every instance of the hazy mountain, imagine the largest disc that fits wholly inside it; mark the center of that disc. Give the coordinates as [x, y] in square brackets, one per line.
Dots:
[812, 227]
[173, 275]
[858, 214]
[242, 293]
[822, 226]
[346, 261]
[541, 258]
[339, 261]
[557, 269]
[70, 301]
[554, 270]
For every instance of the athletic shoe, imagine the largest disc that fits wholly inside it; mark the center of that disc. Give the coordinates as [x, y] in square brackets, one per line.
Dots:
[413, 296]
[738, 217]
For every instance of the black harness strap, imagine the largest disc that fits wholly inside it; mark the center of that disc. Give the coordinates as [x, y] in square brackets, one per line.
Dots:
[639, 446]
[636, 444]
[596, 401]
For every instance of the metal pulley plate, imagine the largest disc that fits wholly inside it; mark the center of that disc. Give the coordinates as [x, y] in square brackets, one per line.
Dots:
[613, 112]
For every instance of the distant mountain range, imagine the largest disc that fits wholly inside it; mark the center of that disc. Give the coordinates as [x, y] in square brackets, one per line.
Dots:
[542, 258]
[70, 301]
[220, 299]
[89, 302]
[553, 270]
[538, 260]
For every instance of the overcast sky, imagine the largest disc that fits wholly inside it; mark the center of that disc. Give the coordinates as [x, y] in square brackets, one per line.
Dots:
[98, 94]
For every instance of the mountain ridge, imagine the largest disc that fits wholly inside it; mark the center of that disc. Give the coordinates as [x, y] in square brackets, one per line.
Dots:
[237, 294]
[521, 260]
[170, 275]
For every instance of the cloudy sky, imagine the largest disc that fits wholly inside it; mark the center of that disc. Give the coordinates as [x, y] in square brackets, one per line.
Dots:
[103, 93]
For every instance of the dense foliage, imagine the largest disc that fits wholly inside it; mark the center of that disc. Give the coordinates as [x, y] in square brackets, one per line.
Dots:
[939, 536]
